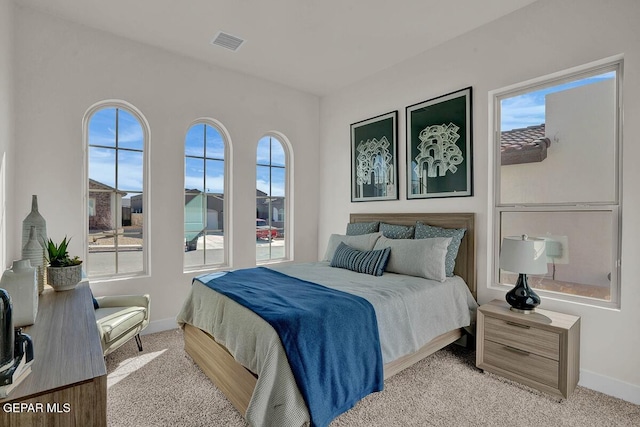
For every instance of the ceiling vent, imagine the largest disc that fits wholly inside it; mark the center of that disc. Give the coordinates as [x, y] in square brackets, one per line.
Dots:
[227, 41]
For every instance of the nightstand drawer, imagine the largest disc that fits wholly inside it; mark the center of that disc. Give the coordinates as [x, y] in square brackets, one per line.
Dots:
[530, 339]
[529, 365]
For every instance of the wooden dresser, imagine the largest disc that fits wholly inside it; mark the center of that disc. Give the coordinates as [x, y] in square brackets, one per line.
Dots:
[67, 385]
[540, 349]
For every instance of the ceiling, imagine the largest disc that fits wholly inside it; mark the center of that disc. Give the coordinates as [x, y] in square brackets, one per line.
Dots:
[312, 45]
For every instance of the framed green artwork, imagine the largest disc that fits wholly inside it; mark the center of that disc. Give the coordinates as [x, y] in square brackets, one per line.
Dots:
[374, 165]
[439, 147]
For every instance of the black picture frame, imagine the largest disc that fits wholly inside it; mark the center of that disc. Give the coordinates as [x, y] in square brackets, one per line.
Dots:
[440, 147]
[374, 161]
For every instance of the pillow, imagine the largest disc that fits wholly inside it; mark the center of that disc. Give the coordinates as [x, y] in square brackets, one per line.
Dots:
[358, 228]
[420, 258]
[424, 231]
[368, 262]
[95, 301]
[363, 242]
[393, 231]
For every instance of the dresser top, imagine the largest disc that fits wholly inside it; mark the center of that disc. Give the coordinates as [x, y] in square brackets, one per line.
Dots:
[540, 318]
[66, 343]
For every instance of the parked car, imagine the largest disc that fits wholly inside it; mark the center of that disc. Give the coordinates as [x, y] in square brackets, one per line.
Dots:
[265, 231]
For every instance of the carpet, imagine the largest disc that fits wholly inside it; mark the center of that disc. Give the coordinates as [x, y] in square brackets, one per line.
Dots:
[162, 386]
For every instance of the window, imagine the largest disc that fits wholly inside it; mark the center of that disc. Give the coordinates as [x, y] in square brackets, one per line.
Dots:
[271, 200]
[557, 177]
[117, 137]
[204, 197]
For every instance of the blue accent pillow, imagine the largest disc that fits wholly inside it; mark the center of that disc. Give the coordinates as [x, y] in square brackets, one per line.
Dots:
[425, 231]
[358, 228]
[368, 262]
[95, 301]
[392, 231]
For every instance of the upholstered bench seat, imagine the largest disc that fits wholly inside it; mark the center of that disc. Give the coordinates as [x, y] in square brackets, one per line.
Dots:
[120, 318]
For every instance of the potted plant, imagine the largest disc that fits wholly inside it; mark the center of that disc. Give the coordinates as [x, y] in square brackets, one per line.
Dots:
[63, 272]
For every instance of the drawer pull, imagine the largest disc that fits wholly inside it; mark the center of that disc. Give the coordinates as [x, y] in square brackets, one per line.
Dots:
[517, 350]
[517, 325]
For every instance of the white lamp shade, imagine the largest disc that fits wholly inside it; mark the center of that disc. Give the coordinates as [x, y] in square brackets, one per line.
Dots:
[522, 254]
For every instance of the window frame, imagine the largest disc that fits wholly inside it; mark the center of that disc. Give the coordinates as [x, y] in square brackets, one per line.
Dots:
[146, 130]
[288, 194]
[227, 217]
[497, 207]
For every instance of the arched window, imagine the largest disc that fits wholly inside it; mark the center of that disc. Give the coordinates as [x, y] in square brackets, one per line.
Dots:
[116, 136]
[272, 212]
[205, 196]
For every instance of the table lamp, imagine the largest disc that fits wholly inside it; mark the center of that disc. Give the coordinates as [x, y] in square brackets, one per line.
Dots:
[523, 255]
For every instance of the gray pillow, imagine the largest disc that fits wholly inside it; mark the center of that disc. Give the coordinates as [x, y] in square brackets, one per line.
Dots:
[425, 231]
[393, 231]
[358, 228]
[367, 262]
[364, 242]
[420, 258]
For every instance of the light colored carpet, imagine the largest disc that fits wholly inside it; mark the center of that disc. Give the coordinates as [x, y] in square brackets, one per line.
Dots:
[161, 386]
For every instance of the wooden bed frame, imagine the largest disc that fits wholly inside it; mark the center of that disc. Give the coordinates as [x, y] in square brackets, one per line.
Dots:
[238, 383]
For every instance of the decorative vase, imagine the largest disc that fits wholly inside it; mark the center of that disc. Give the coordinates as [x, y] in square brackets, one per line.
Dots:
[34, 252]
[20, 281]
[34, 219]
[64, 278]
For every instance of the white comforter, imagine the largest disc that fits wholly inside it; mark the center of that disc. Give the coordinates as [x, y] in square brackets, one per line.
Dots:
[411, 311]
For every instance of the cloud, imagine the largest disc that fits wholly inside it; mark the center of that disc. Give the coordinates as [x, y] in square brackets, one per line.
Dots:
[522, 111]
[215, 184]
[277, 188]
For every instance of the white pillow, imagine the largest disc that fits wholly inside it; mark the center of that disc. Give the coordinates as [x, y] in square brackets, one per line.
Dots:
[362, 242]
[417, 257]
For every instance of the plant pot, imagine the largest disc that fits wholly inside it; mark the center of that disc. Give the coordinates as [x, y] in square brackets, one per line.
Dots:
[64, 278]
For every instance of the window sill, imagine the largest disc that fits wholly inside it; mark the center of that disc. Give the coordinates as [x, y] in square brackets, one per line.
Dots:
[274, 261]
[552, 292]
[103, 279]
[206, 268]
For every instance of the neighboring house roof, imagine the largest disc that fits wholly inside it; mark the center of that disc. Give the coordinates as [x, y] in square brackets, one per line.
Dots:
[97, 185]
[524, 145]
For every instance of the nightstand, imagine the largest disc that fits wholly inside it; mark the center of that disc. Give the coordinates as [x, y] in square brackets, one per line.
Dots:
[539, 349]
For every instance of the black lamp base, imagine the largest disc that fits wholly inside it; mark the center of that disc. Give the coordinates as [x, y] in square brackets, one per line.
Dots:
[522, 298]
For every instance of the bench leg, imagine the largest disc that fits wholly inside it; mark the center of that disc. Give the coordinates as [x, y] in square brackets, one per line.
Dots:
[139, 342]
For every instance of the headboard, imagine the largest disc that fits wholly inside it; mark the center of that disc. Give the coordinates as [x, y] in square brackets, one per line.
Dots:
[466, 259]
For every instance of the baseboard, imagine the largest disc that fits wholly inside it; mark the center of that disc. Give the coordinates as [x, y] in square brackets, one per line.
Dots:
[160, 325]
[611, 386]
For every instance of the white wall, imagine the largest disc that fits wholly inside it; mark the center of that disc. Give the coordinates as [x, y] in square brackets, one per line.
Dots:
[64, 68]
[6, 129]
[548, 36]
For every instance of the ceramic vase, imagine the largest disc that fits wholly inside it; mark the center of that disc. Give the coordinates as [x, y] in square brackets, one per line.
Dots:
[20, 281]
[34, 219]
[34, 252]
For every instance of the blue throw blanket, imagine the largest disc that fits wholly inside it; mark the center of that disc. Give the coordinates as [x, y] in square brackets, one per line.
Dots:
[330, 337]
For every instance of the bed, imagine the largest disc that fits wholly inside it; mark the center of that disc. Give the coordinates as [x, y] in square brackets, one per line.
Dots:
[232, 359]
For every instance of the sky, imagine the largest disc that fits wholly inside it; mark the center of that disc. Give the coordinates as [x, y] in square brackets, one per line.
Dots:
[102, 141]
[204, 156]
[206, 143]
[528, 109]
[270, 148]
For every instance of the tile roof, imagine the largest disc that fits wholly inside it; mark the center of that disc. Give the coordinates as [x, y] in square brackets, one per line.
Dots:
[524, 145]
